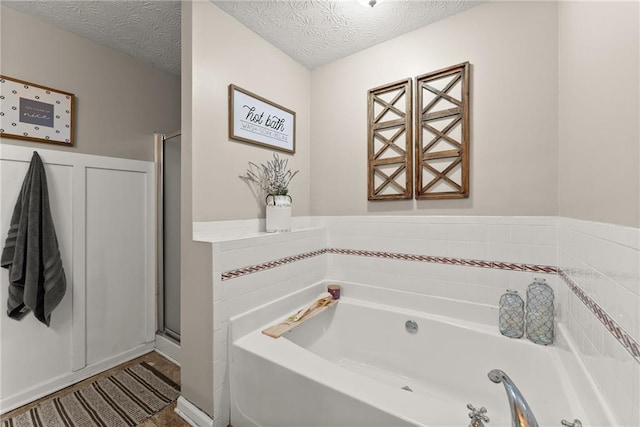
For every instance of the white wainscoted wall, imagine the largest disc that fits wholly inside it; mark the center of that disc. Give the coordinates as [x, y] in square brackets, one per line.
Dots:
[103, 210]
[466, 258]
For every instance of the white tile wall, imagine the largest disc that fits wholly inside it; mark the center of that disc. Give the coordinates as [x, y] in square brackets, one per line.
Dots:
[602, 259]
[530, 240]
[231, 297]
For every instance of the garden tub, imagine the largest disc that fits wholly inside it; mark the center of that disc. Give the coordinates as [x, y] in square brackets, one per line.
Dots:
[357, 364]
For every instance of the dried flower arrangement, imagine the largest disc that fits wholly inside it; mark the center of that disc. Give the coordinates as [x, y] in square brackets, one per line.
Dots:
[273, 177]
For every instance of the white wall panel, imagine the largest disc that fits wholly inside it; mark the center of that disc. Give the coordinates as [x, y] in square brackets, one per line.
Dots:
[102, 209]
[47, 350]
[116, 271]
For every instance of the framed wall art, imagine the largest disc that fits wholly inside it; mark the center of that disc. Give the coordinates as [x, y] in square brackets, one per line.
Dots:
[442, 134]
[258, 121]
[390, 158]
[33, 112]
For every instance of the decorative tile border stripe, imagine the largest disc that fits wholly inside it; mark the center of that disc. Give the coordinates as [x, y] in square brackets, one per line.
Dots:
[449, 261]
[270, 264]
[612, 326]
[232, 274]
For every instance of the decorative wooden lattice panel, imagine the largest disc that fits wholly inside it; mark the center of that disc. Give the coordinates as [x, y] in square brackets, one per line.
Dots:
[390, 174]
[442, 137]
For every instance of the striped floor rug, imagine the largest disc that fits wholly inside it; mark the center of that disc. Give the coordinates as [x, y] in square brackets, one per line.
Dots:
[125, 398]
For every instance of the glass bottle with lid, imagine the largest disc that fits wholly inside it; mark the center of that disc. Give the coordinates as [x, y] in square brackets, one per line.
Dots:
[511, 318]
[540, 328]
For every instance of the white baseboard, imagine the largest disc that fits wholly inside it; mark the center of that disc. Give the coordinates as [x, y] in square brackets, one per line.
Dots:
[168, 348]
[58, 383]
[191, 414]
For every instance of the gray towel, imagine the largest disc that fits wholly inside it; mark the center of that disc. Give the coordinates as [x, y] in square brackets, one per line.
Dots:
[36, 276]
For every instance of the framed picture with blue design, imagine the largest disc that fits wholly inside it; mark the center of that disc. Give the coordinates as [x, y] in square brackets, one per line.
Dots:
[35, 113]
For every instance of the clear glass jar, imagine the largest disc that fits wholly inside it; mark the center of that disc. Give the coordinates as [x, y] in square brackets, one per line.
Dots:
[540, 327]
[511, 319]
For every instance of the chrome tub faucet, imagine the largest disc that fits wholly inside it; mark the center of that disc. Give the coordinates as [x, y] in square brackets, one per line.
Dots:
[521, 414]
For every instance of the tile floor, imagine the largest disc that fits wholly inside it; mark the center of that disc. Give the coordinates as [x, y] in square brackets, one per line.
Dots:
[165, 418]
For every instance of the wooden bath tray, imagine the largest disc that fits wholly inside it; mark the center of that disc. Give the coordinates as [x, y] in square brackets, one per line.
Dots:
[276, 331]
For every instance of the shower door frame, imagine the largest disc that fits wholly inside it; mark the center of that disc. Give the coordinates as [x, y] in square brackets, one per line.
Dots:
[159, 139]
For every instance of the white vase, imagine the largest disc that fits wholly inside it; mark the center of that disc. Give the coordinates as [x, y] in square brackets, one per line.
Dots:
[278, 213]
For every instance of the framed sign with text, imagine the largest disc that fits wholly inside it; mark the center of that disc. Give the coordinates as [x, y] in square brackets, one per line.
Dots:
[256, 120]
[36, 113]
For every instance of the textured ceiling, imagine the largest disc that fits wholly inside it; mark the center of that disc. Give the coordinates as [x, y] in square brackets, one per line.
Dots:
[313, 32]
[146, 30]
[317, 32]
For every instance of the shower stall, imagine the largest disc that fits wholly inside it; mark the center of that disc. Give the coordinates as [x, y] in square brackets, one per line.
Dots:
[167, 161]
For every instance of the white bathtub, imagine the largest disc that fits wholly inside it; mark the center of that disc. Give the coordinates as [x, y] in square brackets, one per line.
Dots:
[348, 366]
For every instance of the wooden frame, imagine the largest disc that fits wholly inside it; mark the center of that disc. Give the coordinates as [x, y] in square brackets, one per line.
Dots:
[256, 120]
[442, 162]
[390, 123]
[33, 112]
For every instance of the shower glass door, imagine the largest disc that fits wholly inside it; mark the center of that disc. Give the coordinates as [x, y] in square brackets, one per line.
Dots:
[169, 234]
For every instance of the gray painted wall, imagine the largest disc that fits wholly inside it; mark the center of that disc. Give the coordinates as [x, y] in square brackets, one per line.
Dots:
[120, 102]
[599, 51]
[225, 52]
[196, 279]
[512, 47]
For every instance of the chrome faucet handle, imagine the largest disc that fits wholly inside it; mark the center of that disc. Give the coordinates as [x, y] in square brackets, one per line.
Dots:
[478, 417]
[576, 423]
[475, 412]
